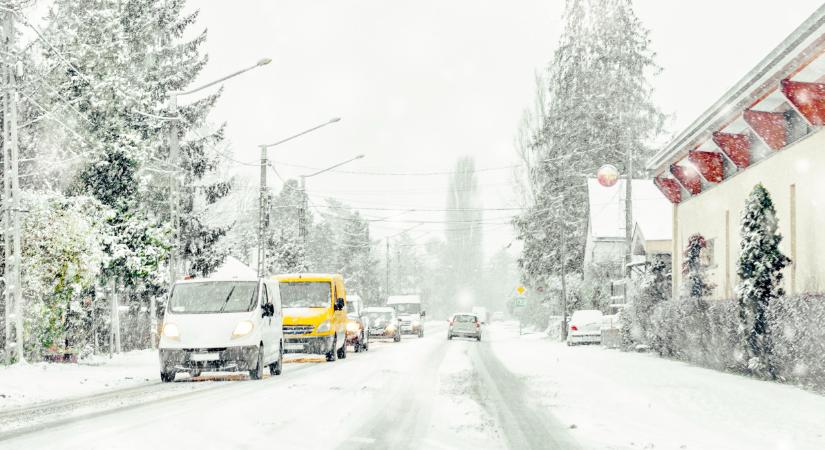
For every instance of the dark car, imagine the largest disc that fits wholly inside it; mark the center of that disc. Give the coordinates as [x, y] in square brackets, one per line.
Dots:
[357, 335]
[383, 323]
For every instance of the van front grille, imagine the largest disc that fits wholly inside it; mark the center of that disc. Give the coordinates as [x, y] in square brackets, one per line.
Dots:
[297, 329]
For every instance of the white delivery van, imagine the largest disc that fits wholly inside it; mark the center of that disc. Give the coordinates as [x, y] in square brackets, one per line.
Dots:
[222, 325]
[408, 309]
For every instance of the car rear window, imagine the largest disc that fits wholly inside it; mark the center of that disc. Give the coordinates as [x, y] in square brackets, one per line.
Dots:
[465, 318]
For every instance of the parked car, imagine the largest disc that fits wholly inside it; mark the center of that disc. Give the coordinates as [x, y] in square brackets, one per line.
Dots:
[383, 323]
[464, 325]
[222, 325]
[585, 327]
[315, 319]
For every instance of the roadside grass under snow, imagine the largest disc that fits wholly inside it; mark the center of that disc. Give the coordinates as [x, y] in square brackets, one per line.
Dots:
[27, 384]
[613, 399]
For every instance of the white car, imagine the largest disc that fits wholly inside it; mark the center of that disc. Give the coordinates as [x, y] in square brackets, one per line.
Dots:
[585, 327]
[222, 325]
[464, 325]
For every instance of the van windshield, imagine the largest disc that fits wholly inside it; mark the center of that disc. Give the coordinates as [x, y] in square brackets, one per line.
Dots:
[407, 308]
[305, 294]
[214, 297]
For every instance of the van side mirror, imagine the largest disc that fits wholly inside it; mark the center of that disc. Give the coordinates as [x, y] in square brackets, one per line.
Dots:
[267, 310]
[423, 313]
[339, 304]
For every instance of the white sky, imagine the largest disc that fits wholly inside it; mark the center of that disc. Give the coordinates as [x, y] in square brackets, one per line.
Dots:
[420, 83]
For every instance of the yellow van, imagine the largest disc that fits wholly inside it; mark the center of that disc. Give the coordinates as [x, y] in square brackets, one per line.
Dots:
[315, 316]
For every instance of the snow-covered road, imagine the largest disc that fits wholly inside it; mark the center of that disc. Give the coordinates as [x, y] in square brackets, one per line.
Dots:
[420, 393]
[508, 391]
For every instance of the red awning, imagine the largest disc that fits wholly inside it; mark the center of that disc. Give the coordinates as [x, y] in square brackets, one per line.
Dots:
[688, 177]
[770, 126]
[736, 146]
[710, 164]
[669, 187]
[808, 98]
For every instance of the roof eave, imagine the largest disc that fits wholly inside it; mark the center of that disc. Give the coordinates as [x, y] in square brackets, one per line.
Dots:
[766, 75]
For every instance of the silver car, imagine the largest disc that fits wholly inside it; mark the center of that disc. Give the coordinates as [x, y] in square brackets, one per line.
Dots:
[464, 325]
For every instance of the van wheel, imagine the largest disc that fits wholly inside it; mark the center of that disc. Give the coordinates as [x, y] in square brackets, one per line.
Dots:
[420, 332]
[397, 338]
[277, 367]
[342, 353]
[167, 377]
[258, 373]
[332, 355]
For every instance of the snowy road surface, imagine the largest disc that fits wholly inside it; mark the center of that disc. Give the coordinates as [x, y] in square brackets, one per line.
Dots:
[507, 391]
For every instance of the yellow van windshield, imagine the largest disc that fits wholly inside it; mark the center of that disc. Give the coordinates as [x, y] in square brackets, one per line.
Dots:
[305, 294]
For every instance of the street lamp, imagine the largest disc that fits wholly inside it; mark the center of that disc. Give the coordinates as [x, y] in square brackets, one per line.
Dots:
[262, 202]
[174, 151]
[302, 225]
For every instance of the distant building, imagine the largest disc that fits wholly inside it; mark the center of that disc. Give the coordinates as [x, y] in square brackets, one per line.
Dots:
[766, 129]
[605, 246]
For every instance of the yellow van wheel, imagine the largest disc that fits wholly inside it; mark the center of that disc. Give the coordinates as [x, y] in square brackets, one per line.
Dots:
[332, 355]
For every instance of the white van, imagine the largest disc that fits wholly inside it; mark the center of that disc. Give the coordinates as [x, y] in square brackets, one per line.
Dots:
[222, 325]
[408, 308]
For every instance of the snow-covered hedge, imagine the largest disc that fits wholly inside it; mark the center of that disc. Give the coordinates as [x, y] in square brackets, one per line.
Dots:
[712, 336]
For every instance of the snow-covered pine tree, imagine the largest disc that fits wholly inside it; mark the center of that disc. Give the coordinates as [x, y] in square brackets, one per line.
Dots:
[696, 286]
[285, 248]
[93, 70]
[166, 61]
[759, 268]
[599, 107]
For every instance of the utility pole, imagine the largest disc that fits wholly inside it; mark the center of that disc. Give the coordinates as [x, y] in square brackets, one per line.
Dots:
[388, 267]
[262, 217]
[563, 245]
[302, 213]
[174, 155]
[115, 319]
[11, 185]
[7, 241]
[628, 221]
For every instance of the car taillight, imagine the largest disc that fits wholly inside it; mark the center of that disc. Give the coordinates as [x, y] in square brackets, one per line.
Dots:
[573, 328]
[478, 325]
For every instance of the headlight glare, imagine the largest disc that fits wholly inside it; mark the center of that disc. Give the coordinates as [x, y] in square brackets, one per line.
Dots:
[352, 326]
[323, 327]
[243, 328]
[171, 331]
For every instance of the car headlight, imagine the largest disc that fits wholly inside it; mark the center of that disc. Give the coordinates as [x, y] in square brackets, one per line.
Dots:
[243, 328]
[324, 326]
[352, 327]
[390, 328]
[416, 323]
[171, 331]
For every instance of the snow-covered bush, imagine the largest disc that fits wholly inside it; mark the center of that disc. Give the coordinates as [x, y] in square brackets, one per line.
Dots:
[798, 335]
[62, 254]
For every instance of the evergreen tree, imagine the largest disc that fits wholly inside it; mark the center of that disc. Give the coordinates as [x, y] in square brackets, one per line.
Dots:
[599, 107]
[759, 268]
[463, 250]
[285, 248]
[696, 286]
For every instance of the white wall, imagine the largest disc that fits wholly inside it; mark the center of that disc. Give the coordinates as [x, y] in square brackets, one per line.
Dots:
[802, 164]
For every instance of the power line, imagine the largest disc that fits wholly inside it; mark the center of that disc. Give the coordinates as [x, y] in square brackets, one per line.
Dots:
[403, 174]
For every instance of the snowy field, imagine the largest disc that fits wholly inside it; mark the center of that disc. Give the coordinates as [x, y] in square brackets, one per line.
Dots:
[612, 399]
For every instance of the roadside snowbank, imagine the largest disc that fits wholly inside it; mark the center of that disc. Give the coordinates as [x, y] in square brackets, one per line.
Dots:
[27, 384]
[613, 399]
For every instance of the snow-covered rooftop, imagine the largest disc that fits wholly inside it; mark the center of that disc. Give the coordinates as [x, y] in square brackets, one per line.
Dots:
[651, 211]
[233, 268]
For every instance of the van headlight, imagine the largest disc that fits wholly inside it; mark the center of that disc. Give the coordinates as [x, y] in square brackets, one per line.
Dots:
[171, 331]
[390, 328]
[323, 327]
[243, 328]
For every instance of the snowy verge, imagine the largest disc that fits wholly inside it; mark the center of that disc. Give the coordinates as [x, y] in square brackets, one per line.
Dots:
[23, 385]
[613, 399]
